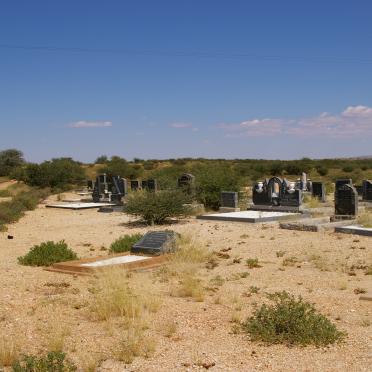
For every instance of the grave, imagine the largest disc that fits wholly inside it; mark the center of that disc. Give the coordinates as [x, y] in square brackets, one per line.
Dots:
[276, 194]
[187, 183]
[155, 243]
[367, 190]
[79, 206]
[91, 266]
[149, 185]
[354, 229]
[346, 199]
[135, 185]
[250, 216]
[319, 191]
[229, 202]
[109, 189]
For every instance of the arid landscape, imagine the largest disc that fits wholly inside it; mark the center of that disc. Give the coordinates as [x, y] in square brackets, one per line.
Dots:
[42, 310]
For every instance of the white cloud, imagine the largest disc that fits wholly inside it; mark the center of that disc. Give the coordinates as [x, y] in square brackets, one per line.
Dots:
[180, 125]
[90, 124]
[353, 121]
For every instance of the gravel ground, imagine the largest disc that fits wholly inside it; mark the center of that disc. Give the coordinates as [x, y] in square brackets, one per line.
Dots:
[204, 337]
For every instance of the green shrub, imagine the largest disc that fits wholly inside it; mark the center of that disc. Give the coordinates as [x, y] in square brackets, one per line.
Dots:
[5, 193]
[12, 211]
[252, 263]
[57, 173]
[322, 170]
[157, 207]
[47, 253]
[211, 179]
[9, 160]
[124, 243]
[291, 321]
[52, 362]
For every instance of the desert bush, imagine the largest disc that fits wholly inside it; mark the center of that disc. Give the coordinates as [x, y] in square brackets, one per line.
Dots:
[157, 207]
[119, 166]
[365, 219]
[322, 170]
[210, 180]
[291, 321]
[101, 159]
[124, 243]
[8, 351]
[189, 286]
[57, 173]
[13, 210]
[47, 253]
[252, 263]
[53, 361]
[9, 160]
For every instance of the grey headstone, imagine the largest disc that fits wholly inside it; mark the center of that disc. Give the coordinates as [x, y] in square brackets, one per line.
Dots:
[229, 199]
[156, 243]
[134, 185]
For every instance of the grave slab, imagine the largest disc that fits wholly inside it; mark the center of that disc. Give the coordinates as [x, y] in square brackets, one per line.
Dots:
[249, 216]
[126, 261]
[314, 224]
[354, 229]
[155, 243]
[78, 206]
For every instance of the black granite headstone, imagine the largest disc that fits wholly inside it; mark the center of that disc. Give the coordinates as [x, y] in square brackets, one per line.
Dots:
[155, 243]
[346, 199]
[229, 199]
[319, 191]
[367, 190]
[260, 194]
[186, 182]
[149, 185]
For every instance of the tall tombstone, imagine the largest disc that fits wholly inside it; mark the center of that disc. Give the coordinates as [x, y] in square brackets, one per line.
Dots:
[260, 193]
[229, 199]
[275, 186]
[367, 190]
[134, 185]
[346, 198]
[319, 191]
[90, 184]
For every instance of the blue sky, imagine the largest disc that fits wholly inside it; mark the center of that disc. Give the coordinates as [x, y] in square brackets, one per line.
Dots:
[165, 79]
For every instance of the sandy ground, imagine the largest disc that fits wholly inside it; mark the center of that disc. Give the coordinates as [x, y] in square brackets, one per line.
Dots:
[204, 329]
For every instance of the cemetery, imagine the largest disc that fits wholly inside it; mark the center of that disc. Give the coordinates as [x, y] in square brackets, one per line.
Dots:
[181, 274]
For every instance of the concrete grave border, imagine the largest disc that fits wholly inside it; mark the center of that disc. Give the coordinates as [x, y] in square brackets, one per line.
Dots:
[79, 267]
[354, 229]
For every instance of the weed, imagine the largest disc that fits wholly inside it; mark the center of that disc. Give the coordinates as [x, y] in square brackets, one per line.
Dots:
[291, 321]
[360, 291]
[217, 280]
[321, 263]
[124, 243]
[53, 361]
[252, 263]
[280, 254]
[290, 261]
[311, 201]
[368, 270]
[170, 328]
[47, 253]
[254, 289]
[190, 286]
[365, 219]
[8, 351]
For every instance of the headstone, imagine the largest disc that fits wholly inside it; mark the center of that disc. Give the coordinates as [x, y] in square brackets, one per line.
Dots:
[90, 184]
[260, 194]
[303, 181]
[134, 185]
[149, 185]
[155, 243]
[109, 188]
[290, 198]
[319, 191]
[186, 181]
[346, 198]
[229, 199]
[275, 185]
[367, 190]
[359, 189]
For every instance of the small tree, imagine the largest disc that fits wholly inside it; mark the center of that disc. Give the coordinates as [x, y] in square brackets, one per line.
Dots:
[156, 208]
[103, 159]
[9, 160]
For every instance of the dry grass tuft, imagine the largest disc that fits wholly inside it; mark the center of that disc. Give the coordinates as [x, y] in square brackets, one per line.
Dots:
[56, 333]
[311, 201]
[365, 219]
[9, 351]
[189, 286]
